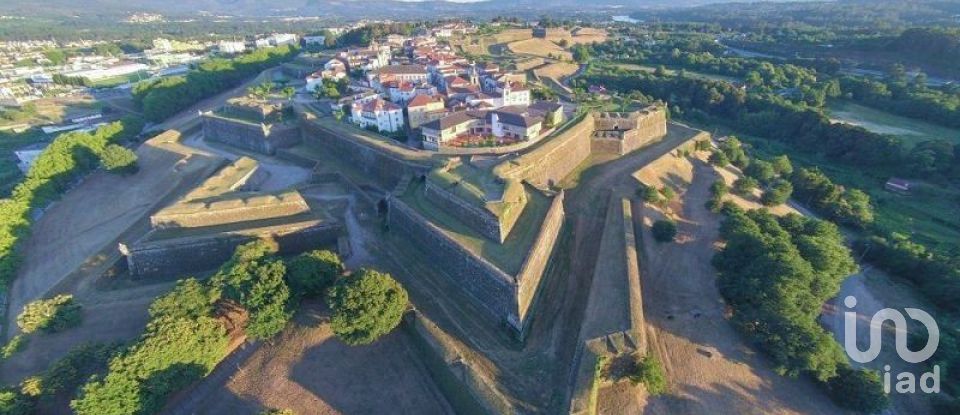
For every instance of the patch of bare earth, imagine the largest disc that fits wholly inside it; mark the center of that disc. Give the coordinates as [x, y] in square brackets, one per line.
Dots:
[308, 370]
[709, 366]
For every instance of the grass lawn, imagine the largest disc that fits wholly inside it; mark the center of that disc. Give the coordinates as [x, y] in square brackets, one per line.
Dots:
[910, 130]
[119, 80]
[507, 256]
[670, 71]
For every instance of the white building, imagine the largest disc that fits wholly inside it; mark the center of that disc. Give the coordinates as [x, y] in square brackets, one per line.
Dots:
[384, 115]
[231, 46]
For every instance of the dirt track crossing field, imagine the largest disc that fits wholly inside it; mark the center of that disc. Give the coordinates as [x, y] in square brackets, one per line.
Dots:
[710, 368]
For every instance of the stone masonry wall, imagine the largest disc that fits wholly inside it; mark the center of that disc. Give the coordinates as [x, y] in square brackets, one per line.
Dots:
[250, 136]
[385, 168]
[490, 286]
[200, 214]
[190, 255]
[555, 159]
[535, 265]
[649, 129]
[478, 219]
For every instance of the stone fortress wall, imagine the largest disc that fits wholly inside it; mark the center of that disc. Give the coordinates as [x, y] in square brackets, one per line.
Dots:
[201, 231]
[477, 218]
[262, 138]
[387, 168]
[611, 133]
[183, 256]
[542, 167]
[249, 207]
[491, 287]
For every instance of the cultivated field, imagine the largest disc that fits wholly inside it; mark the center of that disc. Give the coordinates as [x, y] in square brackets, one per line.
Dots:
[539, 47]
[709, 367]
[911, 130]
[308, 370]
[558, 70]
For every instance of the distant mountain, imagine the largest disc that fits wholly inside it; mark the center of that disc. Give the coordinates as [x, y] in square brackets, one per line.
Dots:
[334, 8]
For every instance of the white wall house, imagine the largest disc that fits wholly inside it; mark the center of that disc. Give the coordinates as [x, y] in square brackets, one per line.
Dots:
[383, 115]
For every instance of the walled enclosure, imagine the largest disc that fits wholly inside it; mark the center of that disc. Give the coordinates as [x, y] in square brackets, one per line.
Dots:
[484, 199]
[377, 159]
[262, 138]
[202, 230]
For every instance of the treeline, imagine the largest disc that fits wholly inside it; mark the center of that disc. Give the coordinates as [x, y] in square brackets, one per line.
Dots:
[162, 98]
[362, 36]
[936, 46]
[69, 157]
[776, 273]
[907, 98]
[701, 53]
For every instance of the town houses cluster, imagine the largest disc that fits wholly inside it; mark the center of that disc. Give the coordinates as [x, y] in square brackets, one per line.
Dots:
[420, 85]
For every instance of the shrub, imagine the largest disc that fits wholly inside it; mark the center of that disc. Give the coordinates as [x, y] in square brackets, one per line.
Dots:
[744, 186]
[167, 358]
[664, 230]
[51, 315]
[119, 159]
[649, 194]
[719, 189]
[311, 273]
[649, 372]
[777, 194]
[16, 344]
[719, 159]
[858, 390]
[366, 306]
[667, 193]
[254, 278]
[782, 165]
[761, 170]
[190, 299]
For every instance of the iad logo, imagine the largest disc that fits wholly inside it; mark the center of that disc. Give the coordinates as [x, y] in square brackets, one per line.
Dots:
[906, 381]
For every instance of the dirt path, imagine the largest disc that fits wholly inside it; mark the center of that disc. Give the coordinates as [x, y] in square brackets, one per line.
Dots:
[710, 368]
[874, 290]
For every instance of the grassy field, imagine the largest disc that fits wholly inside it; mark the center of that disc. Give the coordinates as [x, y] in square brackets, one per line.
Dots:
[557, 71]
[695, 74]
[509, 255]
[910, 130]
[539, 47]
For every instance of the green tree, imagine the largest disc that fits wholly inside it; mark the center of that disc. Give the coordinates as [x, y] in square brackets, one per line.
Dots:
[858, 390]
[119, 159]
[744, 186]
[777, 194]
[311, 273]
[782, 165]
[664, 230]
[366, 306]
[52, 315]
